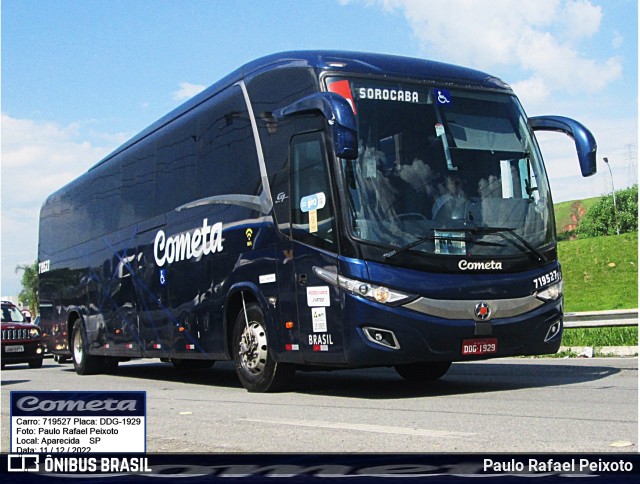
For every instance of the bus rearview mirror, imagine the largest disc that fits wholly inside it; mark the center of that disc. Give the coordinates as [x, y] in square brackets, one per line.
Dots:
[339, 115]
[585, 142]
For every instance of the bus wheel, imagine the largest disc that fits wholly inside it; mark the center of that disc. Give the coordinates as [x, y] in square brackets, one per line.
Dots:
[83, 363]
[256, 369]
[60, 359]
[424, 371]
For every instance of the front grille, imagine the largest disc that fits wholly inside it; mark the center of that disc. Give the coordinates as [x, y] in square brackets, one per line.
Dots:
[13, 334]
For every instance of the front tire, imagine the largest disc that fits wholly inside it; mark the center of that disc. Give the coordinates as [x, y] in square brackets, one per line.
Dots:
[256, 369]
[423, 371]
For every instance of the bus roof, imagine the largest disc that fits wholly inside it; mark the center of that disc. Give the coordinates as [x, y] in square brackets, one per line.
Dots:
[335, 61]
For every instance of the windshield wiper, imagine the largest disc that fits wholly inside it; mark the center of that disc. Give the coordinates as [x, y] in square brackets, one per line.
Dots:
[500, 232]
[410, 245]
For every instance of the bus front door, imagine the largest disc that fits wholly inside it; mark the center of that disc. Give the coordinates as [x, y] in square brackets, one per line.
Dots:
[314, 244]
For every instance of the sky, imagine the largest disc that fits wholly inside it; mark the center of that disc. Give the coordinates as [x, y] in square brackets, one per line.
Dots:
[81, 77]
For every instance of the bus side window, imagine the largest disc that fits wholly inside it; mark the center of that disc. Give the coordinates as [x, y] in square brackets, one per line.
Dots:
[312, 216]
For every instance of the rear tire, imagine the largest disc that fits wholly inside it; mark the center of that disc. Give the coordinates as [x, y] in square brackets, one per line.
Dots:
[423, 371]
[35, 363]
[83, 363]
[256, 369]
[60, 359]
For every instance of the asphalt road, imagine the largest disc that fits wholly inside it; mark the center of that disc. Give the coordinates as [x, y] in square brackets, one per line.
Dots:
[508, 405]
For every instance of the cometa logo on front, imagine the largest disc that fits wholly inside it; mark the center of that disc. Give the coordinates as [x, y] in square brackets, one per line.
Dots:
[465, 265]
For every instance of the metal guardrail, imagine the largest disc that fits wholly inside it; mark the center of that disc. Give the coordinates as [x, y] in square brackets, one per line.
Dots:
[601, 319]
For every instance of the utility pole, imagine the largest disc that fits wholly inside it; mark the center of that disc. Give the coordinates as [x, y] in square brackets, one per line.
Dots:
[613, 192]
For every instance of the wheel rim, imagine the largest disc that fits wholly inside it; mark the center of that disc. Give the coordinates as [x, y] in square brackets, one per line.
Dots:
[77, 347]
[253, 348]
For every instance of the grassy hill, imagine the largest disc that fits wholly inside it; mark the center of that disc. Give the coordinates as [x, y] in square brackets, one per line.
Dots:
[568, 214]
[600, 273]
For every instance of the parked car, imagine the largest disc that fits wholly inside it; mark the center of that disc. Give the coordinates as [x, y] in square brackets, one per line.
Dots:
[21, 341]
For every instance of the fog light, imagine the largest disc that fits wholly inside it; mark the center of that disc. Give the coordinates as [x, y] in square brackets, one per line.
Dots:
[382, 337]
[554, 329]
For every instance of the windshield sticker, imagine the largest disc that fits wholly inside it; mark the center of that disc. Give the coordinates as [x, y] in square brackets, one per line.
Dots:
[442, 96]
[448, 243]
[316, 201]
[313, 221]
[439, 129]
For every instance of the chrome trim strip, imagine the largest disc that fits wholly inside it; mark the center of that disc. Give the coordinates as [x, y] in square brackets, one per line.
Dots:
[465, 309]
[266, 195]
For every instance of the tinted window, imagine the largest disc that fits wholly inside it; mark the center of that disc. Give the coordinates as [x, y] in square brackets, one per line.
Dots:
[176, 165]
[137, 184]
[227, 158]
[312, 218]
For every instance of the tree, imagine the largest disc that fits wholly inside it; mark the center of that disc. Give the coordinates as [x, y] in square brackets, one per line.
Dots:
[29, 293]
[602, 219]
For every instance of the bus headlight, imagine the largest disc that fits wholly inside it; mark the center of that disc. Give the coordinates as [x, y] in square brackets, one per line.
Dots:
[380, 294]
[550, 293]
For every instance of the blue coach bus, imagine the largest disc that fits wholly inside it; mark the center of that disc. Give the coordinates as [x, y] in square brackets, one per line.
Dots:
[314, 209]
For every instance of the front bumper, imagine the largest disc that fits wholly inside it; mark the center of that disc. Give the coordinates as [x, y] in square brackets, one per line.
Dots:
[423, 337]
[31, 351]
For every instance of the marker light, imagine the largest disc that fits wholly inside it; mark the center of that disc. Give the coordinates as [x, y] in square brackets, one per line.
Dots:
[381, 294]
[550, 293]
[288, 324]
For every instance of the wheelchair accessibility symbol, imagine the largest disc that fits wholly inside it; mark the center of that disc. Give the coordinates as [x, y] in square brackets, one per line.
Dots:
[443, 96]
[163, 277]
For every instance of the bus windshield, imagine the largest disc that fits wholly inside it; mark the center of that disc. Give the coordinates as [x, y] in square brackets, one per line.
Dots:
[444, 171]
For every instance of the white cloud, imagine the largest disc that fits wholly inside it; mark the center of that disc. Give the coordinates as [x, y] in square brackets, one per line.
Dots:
[532, 91]
[541, 38]
[617, 40]
[37, 159]
[582, 19]
[187, 90]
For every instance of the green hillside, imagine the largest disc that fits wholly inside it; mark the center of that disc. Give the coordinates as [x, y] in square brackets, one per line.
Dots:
[568, 214]
[600, 273]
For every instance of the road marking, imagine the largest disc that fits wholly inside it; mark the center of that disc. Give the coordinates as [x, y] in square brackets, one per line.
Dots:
[621, 443]
[382, 429]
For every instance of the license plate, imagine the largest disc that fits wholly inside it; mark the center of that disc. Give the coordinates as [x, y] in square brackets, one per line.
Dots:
[485, 346]
[14, 349]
